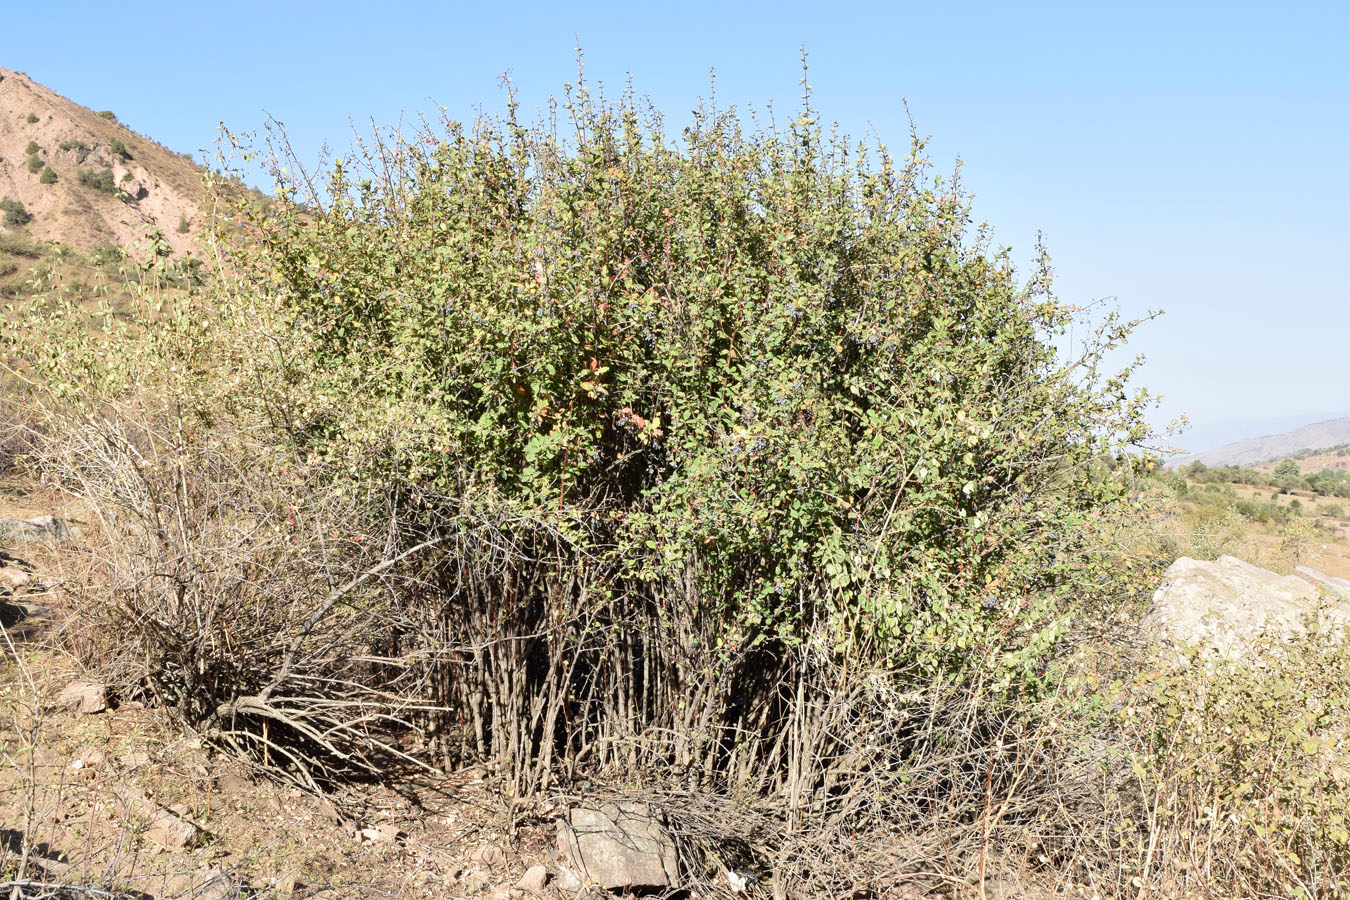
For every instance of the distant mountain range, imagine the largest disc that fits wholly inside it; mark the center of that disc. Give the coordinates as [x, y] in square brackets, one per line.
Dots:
[1274, 446]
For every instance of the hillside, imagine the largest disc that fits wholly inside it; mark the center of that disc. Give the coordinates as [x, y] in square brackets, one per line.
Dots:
[88, 181]
[1335, 458]
[1317, 436]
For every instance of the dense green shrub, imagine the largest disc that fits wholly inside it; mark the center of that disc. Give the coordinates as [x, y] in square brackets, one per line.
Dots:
[117, 148]
[35, 164]
[98, 179]
[32, 149]
[48, 176]
[664, 439]
[15, 215]
[107, 114]
[32, 119]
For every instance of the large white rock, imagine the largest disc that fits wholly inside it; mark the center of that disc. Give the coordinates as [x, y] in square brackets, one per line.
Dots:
[1226, 606]
[1337, 586]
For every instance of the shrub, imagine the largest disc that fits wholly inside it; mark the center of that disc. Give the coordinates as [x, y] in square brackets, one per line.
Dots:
[35, 163]
[1332, 510]
[1247, 768]
[98, 179]
[118, 149]
[183, 225]
[735, 455]
[106, 255]
[32, 119]
[32, 149]
[15, 215]
[107, 114]
[48, 176]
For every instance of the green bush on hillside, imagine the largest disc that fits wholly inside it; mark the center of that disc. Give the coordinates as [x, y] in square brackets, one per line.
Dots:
[15, 214]
[98, 179]
[35, 164]
[661, 437]
[32, 119]
[117, 148]
[107, 114]
[106, 255]
[32, 149]
[48, 176]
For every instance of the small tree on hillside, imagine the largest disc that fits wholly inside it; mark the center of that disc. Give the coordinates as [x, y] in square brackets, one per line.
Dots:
[1286, 468]
[48, 176]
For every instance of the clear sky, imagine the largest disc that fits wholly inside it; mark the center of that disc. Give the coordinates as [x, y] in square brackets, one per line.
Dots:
[1187, 156]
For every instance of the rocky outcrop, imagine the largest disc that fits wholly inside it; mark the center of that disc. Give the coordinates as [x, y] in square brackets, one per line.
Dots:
[1225, 607]
[621, 846]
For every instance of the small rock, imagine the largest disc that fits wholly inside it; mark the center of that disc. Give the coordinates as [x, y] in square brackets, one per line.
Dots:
[232, 783]
[287, 885]
[567, 881]
[533, 880]
[476, 879]
[171, 832]
[86, 696]
[216, 885]
[136, 759]
[165, 829]
[488, 855]
[12, 578]
[380, 834]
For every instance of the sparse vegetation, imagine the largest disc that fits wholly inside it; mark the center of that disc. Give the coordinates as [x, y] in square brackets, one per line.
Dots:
[118, 149]
[107, 114]
[184, 226]
[14, 213]
[35, 164]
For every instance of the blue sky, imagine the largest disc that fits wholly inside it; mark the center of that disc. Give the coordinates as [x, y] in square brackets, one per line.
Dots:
[1191, 157]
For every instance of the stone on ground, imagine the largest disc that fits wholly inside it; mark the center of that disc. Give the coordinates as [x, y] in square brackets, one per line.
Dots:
[619, 846]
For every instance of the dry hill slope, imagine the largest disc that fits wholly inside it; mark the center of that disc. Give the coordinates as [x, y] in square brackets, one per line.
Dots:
[149, 186]
[1316, 436]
